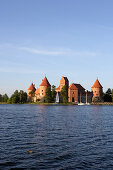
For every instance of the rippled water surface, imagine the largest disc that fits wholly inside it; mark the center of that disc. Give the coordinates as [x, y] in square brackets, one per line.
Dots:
[60, 137]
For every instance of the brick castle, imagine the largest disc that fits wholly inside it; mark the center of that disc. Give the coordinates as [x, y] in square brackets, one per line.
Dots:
[76, 92]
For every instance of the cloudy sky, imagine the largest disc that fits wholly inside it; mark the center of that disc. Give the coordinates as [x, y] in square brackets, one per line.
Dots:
[72, 38]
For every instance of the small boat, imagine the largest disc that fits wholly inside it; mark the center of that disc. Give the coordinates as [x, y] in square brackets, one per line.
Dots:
[81, 104]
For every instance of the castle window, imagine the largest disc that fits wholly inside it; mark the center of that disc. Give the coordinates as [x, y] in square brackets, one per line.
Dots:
[42, 90]
[42, 93]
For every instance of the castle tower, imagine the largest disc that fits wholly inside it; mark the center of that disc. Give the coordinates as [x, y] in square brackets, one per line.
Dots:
[43, 86]
[31, 88]
[97, 91]
[64, 81]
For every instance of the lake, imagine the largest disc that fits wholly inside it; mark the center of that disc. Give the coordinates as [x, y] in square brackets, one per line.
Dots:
[59, 137]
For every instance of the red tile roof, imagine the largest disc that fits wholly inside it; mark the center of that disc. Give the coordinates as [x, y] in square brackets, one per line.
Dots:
[79, 87]
[32, 87]
[45, 82]
[73, 87]
[97, 84]
[58, 88]
[37, 91]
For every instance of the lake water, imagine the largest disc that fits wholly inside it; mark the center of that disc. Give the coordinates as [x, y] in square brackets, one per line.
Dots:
[60, 137]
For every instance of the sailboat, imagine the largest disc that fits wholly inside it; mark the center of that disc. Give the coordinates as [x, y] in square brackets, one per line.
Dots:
[57, 98]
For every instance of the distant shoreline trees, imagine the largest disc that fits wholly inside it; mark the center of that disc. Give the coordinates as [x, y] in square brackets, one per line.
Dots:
[18, 97]
[4, 98]
[108, 95]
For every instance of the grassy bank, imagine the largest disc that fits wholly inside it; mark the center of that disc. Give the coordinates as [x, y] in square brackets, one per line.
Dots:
[4, 103]
[103, 103]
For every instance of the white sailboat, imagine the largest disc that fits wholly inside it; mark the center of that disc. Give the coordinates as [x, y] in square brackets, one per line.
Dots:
[57, 98]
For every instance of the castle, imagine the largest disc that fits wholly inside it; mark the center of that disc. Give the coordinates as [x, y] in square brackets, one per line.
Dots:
[39, 92]
[76, 92]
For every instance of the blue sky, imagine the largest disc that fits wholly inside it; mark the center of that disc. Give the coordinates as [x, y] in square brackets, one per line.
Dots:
[72, 38]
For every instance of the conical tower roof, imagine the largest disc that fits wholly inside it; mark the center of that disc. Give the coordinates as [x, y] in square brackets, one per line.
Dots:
[97, 84]
[45, 82]
[32, 87]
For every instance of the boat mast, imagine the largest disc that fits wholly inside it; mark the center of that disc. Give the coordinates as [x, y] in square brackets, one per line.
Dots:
[80, 97]
[86, 97]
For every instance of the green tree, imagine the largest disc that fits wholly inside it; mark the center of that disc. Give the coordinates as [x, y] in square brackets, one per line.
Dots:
[48, 96]
[14, 97]
[32, 93]
[108, 95]
[0, 98]
[112, 95]
[5, 98]
[22, 96]
[64, 93]
[53, 92]
[18, 97]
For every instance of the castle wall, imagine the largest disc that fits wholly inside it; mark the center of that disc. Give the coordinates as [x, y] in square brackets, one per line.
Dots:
[73, 95]
[97, 92]
[42, 91]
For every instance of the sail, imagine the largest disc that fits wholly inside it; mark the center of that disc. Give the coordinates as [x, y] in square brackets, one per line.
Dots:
[57, 97]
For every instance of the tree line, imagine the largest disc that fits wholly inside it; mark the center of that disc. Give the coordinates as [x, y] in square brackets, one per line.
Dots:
[4, 98]
[16, 97]
[108, 95]
[50, 97]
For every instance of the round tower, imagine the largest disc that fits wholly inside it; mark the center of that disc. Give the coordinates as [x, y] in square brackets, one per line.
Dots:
[30, 89]
[97, 91]
[43, 86]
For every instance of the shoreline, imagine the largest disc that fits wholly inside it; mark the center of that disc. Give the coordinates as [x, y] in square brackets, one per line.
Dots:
[54, 104]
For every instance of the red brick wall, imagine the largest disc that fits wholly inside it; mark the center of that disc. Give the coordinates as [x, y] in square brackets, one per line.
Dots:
[71, 94]
[97, 92]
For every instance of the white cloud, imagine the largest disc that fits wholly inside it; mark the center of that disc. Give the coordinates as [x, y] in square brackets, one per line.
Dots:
[42, 52]
[63, 52]
[45, 52]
